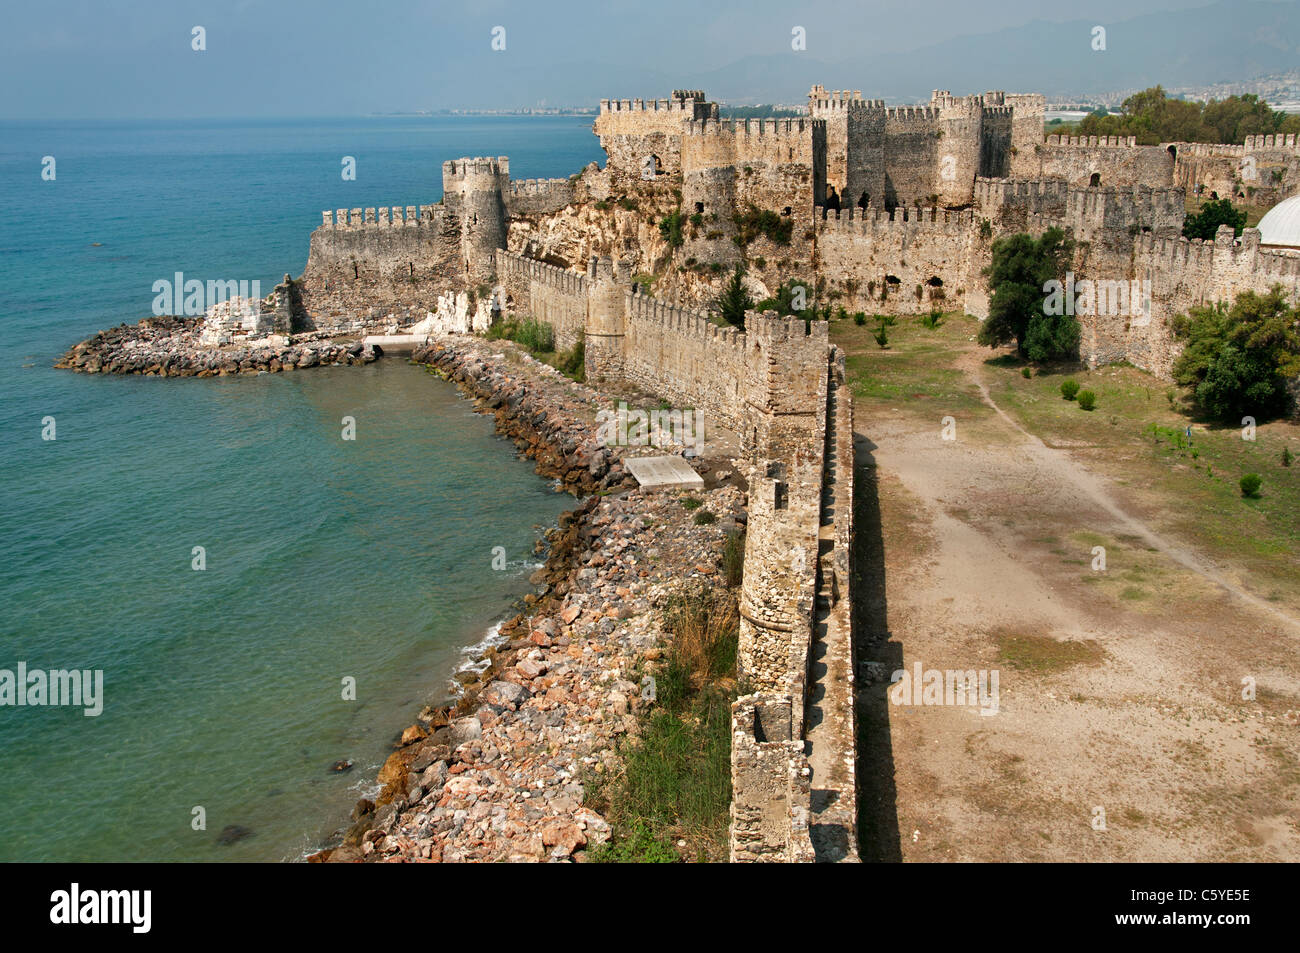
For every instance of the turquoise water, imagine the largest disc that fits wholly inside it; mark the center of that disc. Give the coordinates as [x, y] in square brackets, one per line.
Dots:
[326, 559]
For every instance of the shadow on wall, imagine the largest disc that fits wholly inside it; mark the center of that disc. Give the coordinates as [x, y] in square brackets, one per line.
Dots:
[877, 794]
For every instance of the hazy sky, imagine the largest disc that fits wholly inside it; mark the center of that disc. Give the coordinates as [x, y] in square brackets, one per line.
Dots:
[133, 58]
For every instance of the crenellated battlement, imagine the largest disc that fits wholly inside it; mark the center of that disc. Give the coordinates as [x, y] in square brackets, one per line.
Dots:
[1288, 141]
[454, 169]
[911, 114]
[861, 221]
[1208, 149]
[990, 193]
[839, 101]
[769, 329]
[1092, 142]
[679, 319]
[683, 104]
[1174, 255]
[753, 128]
[510, 265]
[383, 217]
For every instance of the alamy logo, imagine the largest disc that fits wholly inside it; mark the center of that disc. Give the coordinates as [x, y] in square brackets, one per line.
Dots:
[193, 298]
[650, 428]
[104, 907]
[78, 688]
[953, 687]
[1104, 298]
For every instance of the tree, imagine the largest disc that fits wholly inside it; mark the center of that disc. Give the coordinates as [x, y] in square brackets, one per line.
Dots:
[1205, 223]
[1153, 117]
[1019, 276]
[791, 298]
[1238, 359]
[734, 300]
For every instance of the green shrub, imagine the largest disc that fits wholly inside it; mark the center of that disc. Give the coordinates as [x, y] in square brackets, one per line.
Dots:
[1287, 456]
[705, 518]
[670, 227]
[1069, 388]
[1250, 485]
[537, 336]
[859, 318]
[1205, 223]
[691, 503]
[1026, 373]
[753, 222]
[573, 363]
[1087, 399]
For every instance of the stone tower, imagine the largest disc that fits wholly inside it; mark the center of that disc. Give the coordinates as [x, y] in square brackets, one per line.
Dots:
[606, 318]
[474, 190]
[785, 412]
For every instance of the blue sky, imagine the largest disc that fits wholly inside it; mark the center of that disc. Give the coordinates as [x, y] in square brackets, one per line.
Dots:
[114, 58]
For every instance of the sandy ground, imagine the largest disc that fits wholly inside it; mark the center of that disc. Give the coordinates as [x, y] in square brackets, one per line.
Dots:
[1121, 732]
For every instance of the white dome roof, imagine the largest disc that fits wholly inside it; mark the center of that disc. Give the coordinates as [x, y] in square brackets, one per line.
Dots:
[1281, 224]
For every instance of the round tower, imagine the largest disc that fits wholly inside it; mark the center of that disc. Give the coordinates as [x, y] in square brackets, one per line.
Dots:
[606, 318]
[474, 190]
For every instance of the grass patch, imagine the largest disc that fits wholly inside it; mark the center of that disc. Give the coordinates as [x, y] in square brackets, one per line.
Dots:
[1043, 654]
[676, 779]
[538, 339]
[1188, 483]
[915, 374]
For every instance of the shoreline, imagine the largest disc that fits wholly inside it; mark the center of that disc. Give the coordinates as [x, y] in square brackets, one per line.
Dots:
[497, 775]
[498, 772]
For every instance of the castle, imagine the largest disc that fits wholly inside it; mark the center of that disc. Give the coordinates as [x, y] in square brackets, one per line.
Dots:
[889, 210]
[881, 209]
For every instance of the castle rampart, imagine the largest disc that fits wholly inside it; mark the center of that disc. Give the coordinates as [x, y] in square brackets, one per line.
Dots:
[539, 196]
[1097, 160]
[912, 260]
[643, 137]
[1263, 170]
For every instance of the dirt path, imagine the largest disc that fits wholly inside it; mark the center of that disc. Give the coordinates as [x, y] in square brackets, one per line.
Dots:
[1121, 732]
[1060, 465]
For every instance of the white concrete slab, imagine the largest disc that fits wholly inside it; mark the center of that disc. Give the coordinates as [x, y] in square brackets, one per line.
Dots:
[663, 473]
[396, 343]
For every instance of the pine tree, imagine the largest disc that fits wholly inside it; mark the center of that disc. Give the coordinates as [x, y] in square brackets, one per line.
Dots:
[734, 300]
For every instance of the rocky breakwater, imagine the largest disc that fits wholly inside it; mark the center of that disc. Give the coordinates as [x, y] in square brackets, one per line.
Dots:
[174, 347]
[502, 774]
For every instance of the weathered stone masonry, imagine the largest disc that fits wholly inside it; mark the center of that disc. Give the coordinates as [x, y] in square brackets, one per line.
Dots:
[770, 383]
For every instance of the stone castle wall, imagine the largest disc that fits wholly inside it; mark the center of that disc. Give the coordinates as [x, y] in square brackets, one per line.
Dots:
[912, 260]
[635, 131]
[536, 289]
[1265, 169]
[1113, 160]
[364, 264]
[540, 196]
[680, 354]
[774, 165]
[890, 156]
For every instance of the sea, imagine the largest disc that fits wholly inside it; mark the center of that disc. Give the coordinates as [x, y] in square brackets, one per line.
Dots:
[261, 597]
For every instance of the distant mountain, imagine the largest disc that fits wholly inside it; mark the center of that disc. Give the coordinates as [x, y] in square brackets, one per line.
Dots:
[1228, 41]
